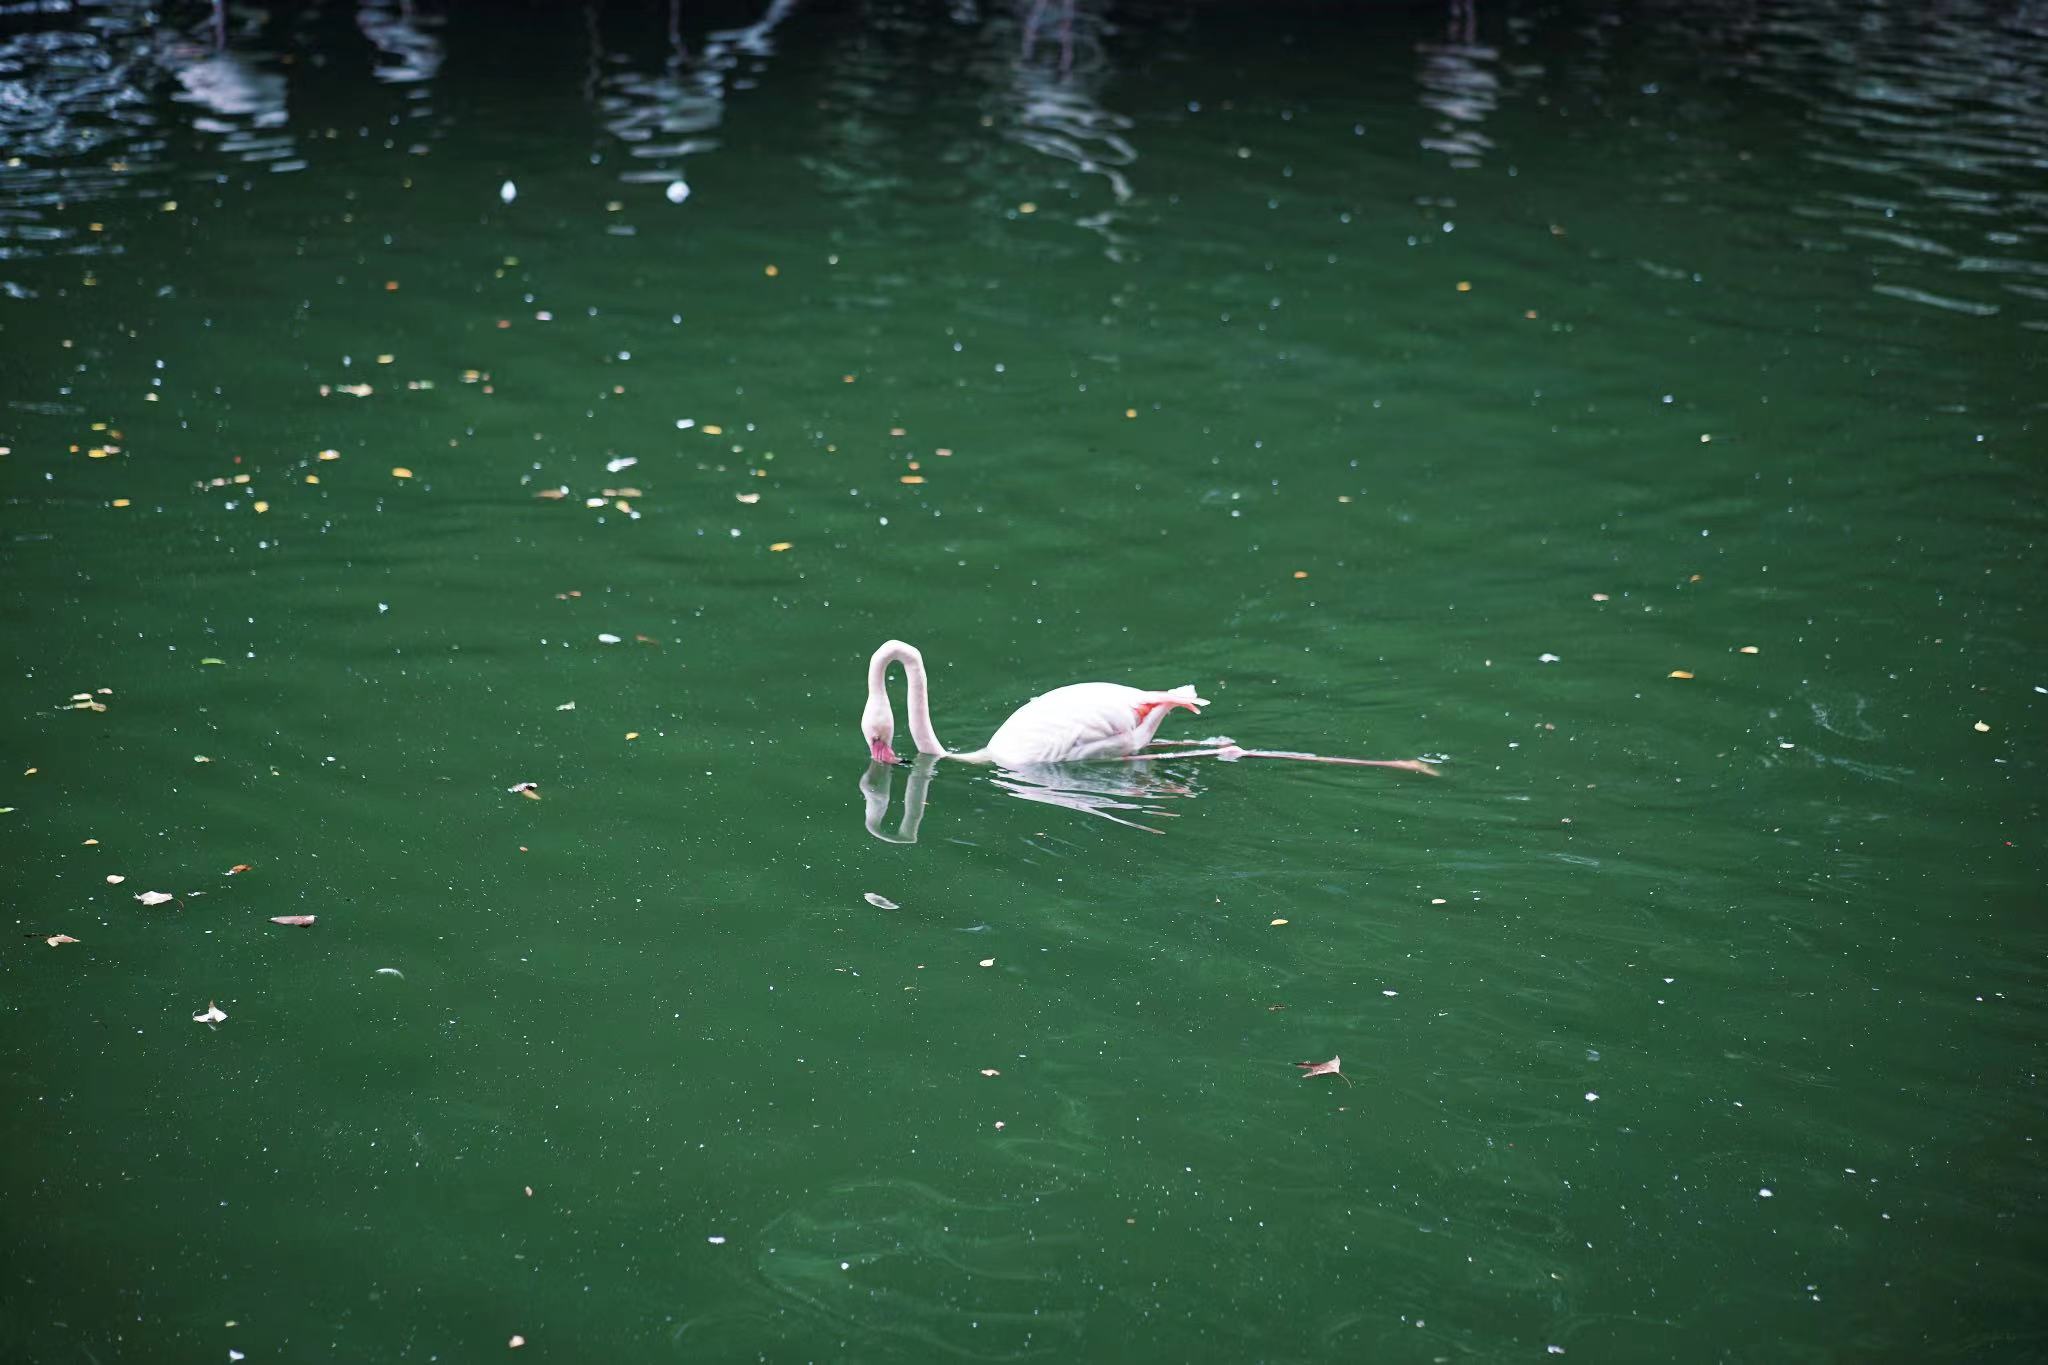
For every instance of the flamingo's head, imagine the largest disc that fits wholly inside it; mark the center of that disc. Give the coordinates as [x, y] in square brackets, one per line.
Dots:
[878, 727]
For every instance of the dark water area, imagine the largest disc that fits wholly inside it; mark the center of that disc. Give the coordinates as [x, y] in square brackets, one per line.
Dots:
[1635, 410]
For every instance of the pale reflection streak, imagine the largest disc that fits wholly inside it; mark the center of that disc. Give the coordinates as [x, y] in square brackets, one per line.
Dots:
[1460, 85]
[665, 116]
[1093, 789]
[406, 51]
[1056, 110]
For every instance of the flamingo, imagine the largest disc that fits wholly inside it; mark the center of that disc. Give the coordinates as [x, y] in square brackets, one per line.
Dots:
[1073, 724]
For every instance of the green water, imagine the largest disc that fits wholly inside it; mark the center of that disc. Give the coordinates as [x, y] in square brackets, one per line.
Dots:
[1688, 1019]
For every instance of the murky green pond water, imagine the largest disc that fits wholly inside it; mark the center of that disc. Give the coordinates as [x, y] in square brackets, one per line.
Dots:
[1638, 409]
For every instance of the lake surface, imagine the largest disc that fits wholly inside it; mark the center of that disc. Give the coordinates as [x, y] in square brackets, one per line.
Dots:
[1636, 409]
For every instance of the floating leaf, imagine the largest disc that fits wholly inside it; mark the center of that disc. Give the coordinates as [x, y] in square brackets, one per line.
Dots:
[879, 902]
[155, 897]
[1329, 1068]
[553, 494]
[517, 1341]
[566, 706]
[632, 734]
[1981, 728]
[238, 868]
[400, 472]
[1278, 922]
[607, 638]
[217, 663]
[115, 879]
[990, 1071]
[1747, 649]
[1679, 673]
[213, 1015]
[779, 546]
[55, 940]
[748, 497]
[988, 962]
[296, 921]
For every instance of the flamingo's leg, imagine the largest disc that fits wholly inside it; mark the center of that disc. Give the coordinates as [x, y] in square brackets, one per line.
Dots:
[1230, 753]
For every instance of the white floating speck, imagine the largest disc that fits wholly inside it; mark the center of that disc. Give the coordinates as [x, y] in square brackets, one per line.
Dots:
[685, 423]
[1764, 1193]
[677, 191]
[391, 971]
[622, 462]
[1390, 993]
[507, 192]
[1592, 1095]
[607, 639]
[878, 901]
[716, 1241]
[1547, 659]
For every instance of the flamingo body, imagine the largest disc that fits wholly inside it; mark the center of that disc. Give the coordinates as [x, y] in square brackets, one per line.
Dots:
[1072, 724]
[1066, 725]
[1084, 721]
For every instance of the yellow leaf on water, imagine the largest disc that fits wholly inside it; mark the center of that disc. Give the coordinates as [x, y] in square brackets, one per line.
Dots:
[1748, 649]
[330, 455]
[1301, 573]
[1981, 728]
[260, 505]
[1680, 673]
[712, 429]
[911, 478]
[1278, 922]
[120, 502]
[400, 472]
[781, 545]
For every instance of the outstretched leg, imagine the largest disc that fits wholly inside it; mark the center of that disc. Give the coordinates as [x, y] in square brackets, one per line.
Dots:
[1230, 753]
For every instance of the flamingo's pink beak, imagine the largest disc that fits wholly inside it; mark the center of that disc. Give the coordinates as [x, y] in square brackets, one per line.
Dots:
[882, 752]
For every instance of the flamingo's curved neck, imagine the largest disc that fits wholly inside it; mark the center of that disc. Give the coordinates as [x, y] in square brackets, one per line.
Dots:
[919, 700]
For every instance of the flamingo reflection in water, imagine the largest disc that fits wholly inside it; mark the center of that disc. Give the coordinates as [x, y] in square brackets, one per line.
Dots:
[1114, 793]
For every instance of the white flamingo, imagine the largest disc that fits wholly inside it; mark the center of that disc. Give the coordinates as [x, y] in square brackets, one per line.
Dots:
[1071, 724]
